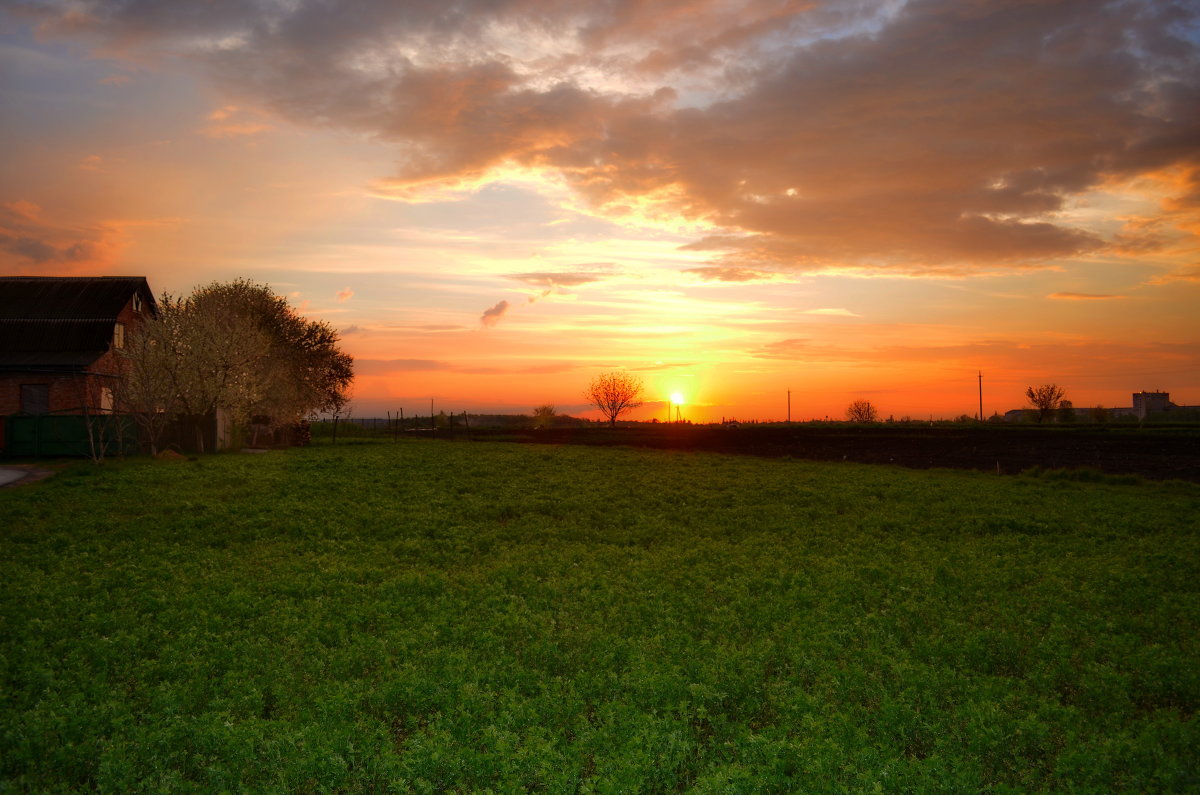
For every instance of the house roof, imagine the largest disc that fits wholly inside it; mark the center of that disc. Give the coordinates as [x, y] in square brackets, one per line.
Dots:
[62, 323]
[70, 297]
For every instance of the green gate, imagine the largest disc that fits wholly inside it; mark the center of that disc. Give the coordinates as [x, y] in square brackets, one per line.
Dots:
[58, 435]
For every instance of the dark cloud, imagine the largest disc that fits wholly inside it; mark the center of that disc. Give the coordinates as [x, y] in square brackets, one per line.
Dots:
[29, 241]
[942, 135]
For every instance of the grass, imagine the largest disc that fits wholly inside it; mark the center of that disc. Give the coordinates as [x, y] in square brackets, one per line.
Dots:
[425, 616]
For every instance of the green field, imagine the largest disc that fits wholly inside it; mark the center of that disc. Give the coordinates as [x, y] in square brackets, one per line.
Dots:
[432, 616]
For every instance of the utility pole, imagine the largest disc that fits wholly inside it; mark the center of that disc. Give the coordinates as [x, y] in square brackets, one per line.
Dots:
[789, 407]
[432, 425]
[981, 396]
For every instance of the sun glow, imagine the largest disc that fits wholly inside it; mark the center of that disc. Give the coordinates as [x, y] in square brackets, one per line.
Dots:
[677, 398]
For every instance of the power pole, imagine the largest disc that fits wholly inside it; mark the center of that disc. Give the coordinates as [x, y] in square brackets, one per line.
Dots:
[981, 396]
[432, 425]
[789, 406]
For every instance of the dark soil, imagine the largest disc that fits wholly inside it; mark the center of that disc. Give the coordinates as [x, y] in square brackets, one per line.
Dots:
[1156, 453]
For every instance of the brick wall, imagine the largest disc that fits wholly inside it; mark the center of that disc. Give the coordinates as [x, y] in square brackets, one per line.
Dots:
[69, 391]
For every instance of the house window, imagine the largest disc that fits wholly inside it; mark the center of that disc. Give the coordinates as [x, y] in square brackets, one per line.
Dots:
[35, 398]
[106, 399]
[137, 302]
[119, 335]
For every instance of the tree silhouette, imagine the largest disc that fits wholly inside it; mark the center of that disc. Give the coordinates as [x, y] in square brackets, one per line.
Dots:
[614, 394]
[1045, 398]
[543, 416]
[861, 411]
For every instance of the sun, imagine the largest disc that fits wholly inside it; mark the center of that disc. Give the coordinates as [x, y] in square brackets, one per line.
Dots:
[677, 398]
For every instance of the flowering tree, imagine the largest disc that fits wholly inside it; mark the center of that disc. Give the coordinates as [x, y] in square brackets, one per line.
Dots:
[236, 347]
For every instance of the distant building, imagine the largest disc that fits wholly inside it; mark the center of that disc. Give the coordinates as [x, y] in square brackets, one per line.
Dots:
[1145, 404]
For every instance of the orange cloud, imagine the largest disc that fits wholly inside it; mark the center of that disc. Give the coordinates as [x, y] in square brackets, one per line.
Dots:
[1083, 296]
[231, 122]
[344, 295]
[729, 273]
[492, 315]
[932, 138]
[831, 312]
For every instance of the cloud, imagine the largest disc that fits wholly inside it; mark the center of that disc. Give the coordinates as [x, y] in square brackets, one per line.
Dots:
[385, 366]
[230, 121]
[348, 330]
[1070, 358]
[376, 367]
[831, 312]
[1083, 296]
[344, 295]
[559, 279]
[26, 240]
[491, 317]
[726, 273]
[1185, 274]
[926, 137]
[91, 163]
[662, 366]
[114, 80]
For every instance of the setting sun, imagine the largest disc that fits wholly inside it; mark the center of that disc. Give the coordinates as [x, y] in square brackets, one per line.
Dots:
[677, 398]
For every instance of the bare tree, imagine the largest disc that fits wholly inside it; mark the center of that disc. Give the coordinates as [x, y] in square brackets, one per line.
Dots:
[614, 394]
[1045, 398]
[862, 411]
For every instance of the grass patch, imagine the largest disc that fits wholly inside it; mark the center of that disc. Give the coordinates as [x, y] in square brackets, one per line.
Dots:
[1082, 475]
[424, 616]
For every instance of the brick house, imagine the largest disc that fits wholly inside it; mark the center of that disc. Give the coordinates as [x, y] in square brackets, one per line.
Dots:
[59, 338]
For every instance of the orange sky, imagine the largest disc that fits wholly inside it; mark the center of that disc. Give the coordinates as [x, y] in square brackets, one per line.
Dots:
[495, 201]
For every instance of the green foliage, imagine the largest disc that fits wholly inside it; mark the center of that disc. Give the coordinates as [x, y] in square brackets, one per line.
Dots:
[423, 617]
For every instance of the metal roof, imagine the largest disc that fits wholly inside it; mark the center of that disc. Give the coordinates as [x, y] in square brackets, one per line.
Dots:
[62, 323]
[70, 297]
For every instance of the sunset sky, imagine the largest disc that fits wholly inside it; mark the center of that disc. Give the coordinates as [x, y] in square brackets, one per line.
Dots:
[495, 200]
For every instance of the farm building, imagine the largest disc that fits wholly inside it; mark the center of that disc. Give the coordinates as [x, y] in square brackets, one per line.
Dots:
[1144, 405]
[59, 338]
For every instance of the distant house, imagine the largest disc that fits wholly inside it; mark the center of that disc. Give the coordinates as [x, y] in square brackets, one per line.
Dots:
[59, 338]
